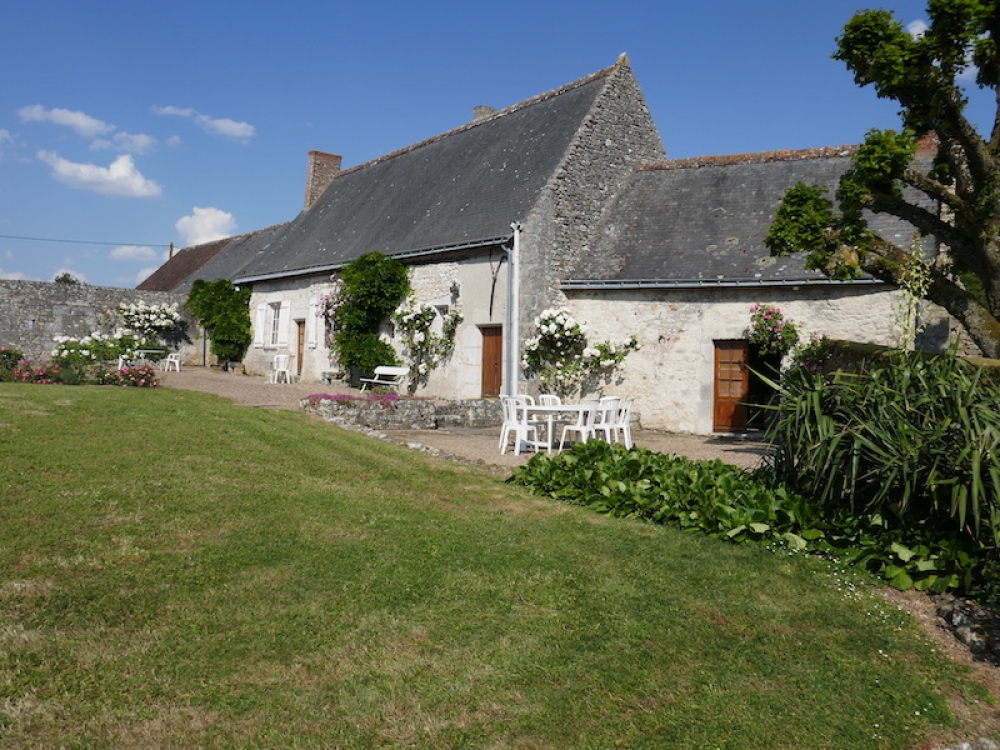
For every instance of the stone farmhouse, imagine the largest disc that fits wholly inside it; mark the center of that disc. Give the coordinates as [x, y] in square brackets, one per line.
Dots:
[564, 200]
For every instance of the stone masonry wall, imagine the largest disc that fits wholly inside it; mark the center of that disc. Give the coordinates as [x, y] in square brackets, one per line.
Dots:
[617, 137]
[33, 313]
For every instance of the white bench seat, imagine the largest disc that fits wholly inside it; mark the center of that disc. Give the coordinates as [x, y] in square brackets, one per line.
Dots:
[385, 376]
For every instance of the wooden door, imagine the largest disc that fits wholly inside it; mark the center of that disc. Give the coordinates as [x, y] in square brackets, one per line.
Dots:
[300, 347]
[492, 359]
[732, 386]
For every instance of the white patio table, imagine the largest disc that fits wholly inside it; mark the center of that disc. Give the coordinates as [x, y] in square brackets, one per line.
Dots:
[550, 412]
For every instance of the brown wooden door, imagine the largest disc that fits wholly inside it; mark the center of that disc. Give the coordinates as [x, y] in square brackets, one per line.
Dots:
[300, 347]
[732, 386]
[492, 359]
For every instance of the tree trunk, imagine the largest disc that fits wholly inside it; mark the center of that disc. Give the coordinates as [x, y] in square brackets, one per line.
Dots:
[983, 328]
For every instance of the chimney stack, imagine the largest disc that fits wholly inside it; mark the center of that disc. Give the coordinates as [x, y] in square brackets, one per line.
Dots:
[323, 168]
[482, 111]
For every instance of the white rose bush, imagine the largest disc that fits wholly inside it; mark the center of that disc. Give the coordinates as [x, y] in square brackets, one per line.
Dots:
[422, 347]
[94, 358]
[562, 360]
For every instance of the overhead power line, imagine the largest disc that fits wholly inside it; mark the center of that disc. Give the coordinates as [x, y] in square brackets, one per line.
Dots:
[82, 242]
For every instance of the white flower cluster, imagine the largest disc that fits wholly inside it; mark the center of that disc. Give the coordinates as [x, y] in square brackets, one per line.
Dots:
[143, 318]
[95, 347]
[558, 322]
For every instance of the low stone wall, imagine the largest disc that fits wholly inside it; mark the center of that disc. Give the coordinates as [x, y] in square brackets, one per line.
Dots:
[386, 413]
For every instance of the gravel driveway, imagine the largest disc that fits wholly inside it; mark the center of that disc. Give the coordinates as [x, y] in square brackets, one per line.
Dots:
[470, 445]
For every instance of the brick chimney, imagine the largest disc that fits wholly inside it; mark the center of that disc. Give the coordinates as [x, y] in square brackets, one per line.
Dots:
[323, 167]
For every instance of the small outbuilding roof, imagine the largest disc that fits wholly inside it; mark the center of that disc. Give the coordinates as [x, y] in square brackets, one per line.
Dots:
[702, 222]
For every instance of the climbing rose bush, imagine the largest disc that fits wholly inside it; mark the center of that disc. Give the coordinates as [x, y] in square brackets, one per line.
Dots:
[770, 332]
[561, 358]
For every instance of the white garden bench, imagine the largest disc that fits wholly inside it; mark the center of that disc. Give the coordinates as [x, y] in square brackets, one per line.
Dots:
[385, 376]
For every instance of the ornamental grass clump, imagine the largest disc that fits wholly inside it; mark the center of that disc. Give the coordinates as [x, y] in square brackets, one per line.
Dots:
[910, 447]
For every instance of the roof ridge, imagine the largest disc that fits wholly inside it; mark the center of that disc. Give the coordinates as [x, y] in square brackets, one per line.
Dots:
[545, 96]
[235, 237]
[761, 157]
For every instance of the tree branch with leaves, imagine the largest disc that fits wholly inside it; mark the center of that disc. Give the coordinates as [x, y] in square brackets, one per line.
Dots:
[954, 197]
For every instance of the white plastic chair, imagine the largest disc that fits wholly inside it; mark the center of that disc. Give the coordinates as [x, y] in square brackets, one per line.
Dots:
[549, 399]
[279, 369]
[172, 360]
[584, 424]
[622, 427]
[515, 420]
[607, 412]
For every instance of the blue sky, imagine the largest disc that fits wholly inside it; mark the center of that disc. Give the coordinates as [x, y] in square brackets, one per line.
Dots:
[125, 126]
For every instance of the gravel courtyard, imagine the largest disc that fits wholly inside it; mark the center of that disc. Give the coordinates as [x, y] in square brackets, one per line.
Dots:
[471, 445]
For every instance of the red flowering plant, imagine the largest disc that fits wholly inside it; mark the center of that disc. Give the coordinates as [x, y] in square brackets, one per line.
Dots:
[770, 332]
[141, 376]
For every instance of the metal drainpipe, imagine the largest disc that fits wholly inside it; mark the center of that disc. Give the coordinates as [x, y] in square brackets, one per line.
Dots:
[513, 313]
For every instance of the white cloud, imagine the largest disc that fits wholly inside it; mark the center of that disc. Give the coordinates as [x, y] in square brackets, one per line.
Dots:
[174, 141]
[130, 143]
[144, 274]
[133, 252]
[917, 28]
[174, 111]
[83, 124]
[205, 225]
[6, 139]
[121, 178]
[12, 275]
[241, 131]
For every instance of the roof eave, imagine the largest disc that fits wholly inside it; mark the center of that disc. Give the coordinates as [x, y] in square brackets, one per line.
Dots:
[400, 256]
[612, 284]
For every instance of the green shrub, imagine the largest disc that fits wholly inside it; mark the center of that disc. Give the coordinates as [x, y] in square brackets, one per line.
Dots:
[368, 290]
[223, 310]
[705, 496]
[9, 359]
[728, 503]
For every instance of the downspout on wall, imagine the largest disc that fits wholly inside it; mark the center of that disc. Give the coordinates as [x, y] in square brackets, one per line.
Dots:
[513, 353]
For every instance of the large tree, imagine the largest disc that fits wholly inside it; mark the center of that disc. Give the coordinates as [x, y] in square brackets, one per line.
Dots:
[955, 197]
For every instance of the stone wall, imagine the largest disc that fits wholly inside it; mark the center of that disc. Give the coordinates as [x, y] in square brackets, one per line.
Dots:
[407, 414]
[33, 313]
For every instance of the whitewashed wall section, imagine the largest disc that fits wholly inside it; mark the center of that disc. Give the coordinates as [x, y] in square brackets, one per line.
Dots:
[671, 377]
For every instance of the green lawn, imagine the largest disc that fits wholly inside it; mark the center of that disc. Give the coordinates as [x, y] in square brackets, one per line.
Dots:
[179, 572]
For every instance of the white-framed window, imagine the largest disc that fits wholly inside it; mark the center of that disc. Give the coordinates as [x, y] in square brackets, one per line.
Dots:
[274, 313]
[271, 327]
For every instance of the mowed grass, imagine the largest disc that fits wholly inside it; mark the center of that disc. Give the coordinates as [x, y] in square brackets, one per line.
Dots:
[179, 572]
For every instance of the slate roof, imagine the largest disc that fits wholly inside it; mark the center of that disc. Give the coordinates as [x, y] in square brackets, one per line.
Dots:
[184, 265]
[702, 222]
[462, 188]
[240, 251]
